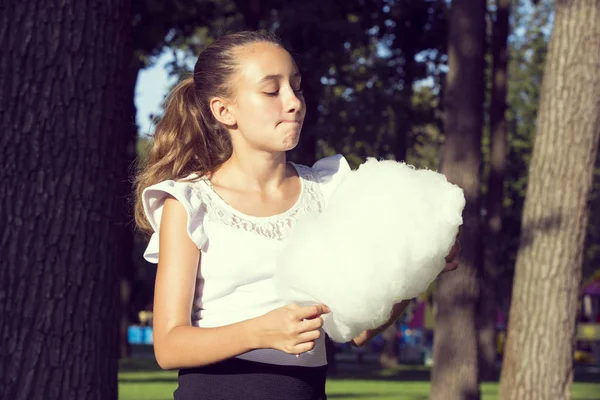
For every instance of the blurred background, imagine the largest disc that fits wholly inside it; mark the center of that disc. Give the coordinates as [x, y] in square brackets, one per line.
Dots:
[454, 86]
[374, 75]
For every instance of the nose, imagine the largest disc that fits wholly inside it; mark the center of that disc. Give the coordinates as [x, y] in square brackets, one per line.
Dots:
[294, 102]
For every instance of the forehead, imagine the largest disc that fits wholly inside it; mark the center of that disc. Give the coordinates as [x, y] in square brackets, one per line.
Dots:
[259, 60]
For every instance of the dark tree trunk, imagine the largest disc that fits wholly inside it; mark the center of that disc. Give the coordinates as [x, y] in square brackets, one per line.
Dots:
[388, 357]
[495, 195]
[406, 116]
[538, 362]
[455, 369]
[61, 189]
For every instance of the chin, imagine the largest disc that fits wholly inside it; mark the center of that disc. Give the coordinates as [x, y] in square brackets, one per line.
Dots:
[291, 141]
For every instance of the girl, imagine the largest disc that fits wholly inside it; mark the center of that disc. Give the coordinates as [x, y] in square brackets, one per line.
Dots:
[219, 199]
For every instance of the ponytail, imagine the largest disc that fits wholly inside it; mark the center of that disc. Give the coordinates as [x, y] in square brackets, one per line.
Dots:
[187, 140]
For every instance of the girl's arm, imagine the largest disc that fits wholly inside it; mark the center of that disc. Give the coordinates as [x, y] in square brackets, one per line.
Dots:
[178, 344]
[367, 335]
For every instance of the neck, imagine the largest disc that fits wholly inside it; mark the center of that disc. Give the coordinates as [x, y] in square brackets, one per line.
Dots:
[261, 171]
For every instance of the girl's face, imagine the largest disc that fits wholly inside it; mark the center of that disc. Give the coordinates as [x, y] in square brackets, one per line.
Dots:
[267, 104]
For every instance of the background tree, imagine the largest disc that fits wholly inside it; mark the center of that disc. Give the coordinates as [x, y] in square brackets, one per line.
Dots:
[62, 149]
[494, 198]
[538, 362]
[455, 373]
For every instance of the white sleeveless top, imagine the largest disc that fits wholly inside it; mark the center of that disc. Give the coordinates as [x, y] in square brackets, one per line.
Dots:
[238, 251]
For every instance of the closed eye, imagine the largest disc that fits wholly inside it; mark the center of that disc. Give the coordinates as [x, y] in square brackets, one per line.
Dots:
[275, 93]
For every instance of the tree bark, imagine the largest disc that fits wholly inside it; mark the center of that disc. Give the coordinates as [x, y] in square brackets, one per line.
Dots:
[495, 195]
[61, 193]
[455, 369]
[538, 361]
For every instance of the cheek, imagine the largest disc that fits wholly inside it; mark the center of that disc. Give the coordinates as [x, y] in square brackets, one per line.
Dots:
[264, 109]
[246, 113]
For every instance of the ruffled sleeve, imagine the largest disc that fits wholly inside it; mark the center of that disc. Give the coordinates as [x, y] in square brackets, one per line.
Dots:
[153, 199]
[330, 171]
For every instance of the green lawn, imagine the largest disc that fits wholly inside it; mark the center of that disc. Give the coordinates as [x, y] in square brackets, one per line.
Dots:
[142, 380]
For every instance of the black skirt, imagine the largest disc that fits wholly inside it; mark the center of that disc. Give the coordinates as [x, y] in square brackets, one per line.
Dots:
[237, 379]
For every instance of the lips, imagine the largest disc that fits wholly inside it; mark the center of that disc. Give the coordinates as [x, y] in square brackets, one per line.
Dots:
[290, 122]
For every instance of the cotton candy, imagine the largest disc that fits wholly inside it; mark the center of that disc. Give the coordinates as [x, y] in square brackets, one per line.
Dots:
[382, 238]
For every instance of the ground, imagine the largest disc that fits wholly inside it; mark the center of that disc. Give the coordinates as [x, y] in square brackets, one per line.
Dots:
[141, 379]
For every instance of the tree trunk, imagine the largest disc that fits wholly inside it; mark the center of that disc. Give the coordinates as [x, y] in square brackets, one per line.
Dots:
[405, 118]
[61, 193]
[388, 358]
[455, 369]
[495, 195]
[538, 361]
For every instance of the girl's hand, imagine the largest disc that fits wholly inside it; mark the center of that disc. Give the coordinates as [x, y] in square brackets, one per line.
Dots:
[451, 263]
[292, 329]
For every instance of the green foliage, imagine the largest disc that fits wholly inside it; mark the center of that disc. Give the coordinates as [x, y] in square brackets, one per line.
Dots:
[426, 134]
[143, 145]
[170, 23]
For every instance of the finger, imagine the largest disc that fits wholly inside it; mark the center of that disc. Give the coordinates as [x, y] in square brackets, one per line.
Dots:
[309, 336]
[304, 347]
[311, 311]
[451, 266]
[311, 324]
[453, 251]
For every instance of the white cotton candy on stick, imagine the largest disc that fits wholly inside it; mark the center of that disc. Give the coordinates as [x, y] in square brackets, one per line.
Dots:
[382, 238]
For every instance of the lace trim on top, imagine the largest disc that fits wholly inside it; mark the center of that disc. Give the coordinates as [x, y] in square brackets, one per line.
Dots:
[277, 226]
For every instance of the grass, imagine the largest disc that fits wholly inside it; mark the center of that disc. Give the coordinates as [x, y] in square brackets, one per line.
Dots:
[141, 379]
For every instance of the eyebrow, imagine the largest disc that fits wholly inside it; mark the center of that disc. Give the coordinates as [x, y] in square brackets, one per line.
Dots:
[278, 77]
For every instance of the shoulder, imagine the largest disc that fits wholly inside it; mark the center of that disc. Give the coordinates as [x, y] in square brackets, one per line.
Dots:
[185, 191]
[155, 202]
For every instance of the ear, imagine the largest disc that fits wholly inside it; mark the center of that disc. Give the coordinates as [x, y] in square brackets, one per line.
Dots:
[221, 111]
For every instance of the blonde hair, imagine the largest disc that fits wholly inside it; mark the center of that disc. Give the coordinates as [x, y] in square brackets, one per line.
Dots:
[188, 139]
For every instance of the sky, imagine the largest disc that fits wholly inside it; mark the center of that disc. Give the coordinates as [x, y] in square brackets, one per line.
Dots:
[151, 88]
